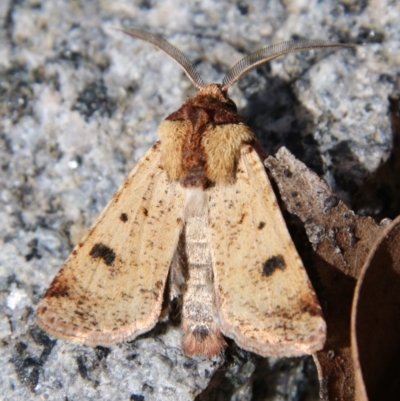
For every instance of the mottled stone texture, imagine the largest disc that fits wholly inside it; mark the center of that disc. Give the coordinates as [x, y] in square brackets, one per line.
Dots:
[81, 102]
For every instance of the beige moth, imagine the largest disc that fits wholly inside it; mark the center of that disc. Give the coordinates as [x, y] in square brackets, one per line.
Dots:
[197, 222]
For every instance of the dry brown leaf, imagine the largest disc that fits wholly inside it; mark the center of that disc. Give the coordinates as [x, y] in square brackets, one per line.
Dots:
[341, 241]
[375, 324]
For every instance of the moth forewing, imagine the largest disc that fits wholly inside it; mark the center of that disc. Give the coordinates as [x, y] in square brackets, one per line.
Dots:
[265, 300]
[111, 287]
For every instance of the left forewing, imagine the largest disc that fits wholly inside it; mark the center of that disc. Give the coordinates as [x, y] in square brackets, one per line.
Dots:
[111, 287]
[266, 302]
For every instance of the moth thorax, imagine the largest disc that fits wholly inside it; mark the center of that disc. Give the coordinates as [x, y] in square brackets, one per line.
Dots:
[213, 158]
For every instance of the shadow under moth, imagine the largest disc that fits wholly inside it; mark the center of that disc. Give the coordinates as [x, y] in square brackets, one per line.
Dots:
[196, 216]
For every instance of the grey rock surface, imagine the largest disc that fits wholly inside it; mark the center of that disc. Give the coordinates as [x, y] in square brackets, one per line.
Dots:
[81, 102]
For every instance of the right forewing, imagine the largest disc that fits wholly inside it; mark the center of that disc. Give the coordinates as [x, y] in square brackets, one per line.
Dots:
[111, 287]
[266, 302]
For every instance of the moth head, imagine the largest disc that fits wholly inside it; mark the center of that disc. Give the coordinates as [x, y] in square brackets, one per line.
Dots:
[243, 66]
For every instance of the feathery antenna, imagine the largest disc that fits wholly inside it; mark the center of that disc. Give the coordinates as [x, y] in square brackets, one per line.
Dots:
[171, 50]
[267, 54]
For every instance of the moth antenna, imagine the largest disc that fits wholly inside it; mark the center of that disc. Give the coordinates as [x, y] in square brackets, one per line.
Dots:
[171, 50]
[262, 56]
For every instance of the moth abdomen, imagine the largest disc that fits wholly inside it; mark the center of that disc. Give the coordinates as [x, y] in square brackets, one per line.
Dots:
[201, 333]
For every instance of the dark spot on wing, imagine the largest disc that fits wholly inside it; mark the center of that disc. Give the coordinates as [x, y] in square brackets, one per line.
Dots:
[123, 217]
[145, 211]
[273, 263]
[261, 225]
[104, 252]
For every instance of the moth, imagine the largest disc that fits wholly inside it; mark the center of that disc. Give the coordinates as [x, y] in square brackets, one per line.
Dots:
[195, 222]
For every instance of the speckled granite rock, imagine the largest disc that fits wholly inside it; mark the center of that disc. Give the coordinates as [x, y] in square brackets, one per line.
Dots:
[80, 103]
